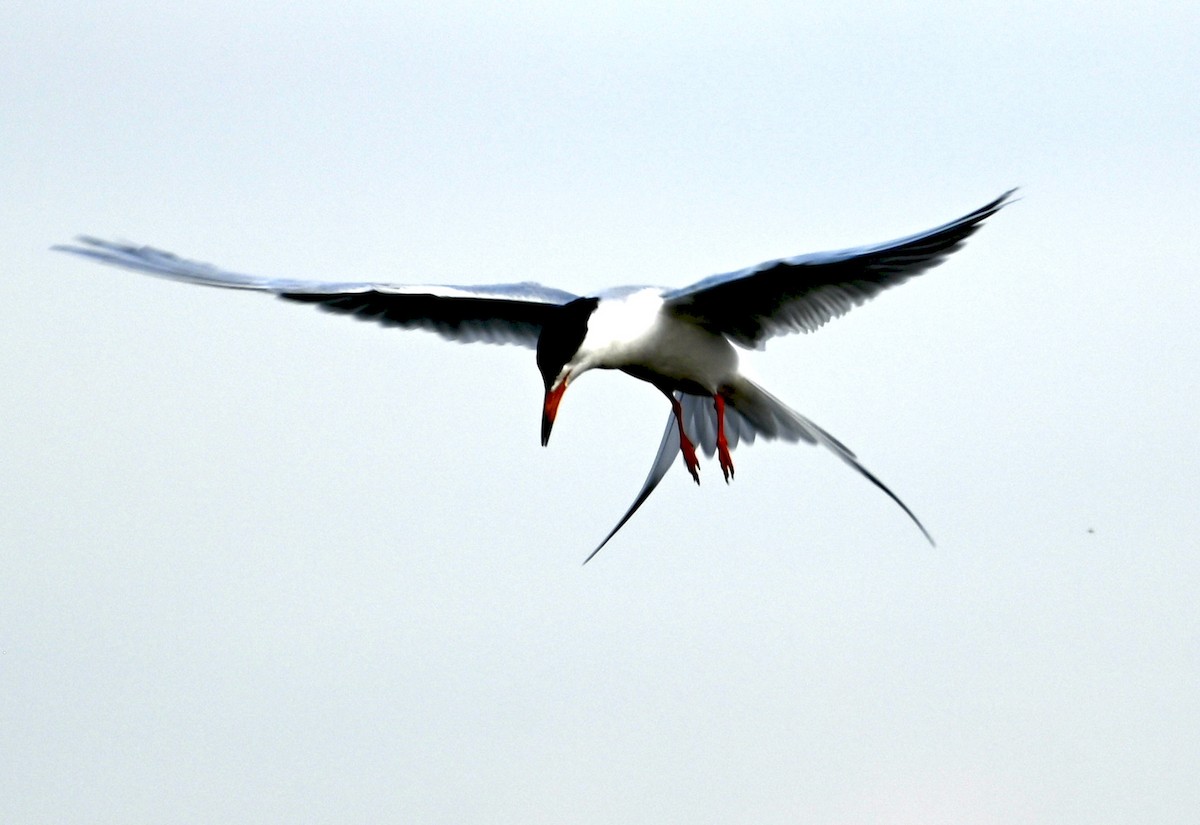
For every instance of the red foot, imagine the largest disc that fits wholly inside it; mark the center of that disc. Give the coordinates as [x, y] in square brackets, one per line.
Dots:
[685, 446]
[689, 457]
[723, 445]
[725, 459]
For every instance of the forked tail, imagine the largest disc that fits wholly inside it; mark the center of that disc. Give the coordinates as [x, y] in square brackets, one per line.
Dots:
[772, 419]
[750, 412]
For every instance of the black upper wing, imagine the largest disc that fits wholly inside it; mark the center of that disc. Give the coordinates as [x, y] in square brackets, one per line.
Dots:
[802, 293]
[495, 314]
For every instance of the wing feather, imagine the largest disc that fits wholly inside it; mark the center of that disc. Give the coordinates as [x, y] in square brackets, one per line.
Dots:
[493, 314]
[801, 294]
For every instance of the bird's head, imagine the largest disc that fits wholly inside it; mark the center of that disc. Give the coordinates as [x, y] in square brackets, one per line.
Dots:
[557, 355]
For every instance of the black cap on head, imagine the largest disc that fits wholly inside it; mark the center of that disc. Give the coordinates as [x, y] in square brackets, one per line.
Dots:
[562, 335]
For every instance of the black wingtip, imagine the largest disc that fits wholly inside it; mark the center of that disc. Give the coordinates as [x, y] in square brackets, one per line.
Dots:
[986, 211]
[77, 246]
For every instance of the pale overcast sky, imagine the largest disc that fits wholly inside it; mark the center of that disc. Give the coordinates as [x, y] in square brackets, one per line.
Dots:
[262, 564]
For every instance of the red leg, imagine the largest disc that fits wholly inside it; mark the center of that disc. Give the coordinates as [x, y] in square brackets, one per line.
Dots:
[722, 445]
[685, 446]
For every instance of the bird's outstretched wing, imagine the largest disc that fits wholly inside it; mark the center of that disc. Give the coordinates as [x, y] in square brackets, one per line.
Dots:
[494, 314]
[802, 293]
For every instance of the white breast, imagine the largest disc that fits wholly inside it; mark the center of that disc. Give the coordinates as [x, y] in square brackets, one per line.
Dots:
[633, 331]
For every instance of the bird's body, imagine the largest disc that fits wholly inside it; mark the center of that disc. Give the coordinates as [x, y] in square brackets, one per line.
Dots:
[634, 331]
[683, 341]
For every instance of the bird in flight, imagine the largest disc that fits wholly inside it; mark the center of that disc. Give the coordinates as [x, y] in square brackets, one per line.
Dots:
[683, 341]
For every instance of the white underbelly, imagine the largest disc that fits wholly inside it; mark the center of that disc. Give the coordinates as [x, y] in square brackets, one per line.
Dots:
[685, 352]
[634, 334]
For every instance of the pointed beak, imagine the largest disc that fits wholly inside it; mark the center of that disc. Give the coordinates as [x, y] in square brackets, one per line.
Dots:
[550, 408]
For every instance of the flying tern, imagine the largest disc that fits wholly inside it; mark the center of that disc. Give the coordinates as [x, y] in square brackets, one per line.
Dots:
[683, 341]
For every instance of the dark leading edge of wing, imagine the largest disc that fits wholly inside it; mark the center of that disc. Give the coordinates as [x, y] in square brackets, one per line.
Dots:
[494, 314]
[802, 293]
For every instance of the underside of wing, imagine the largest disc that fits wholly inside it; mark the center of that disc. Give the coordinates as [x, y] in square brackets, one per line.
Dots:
[498, 314]
[800, 294]
[467, 317]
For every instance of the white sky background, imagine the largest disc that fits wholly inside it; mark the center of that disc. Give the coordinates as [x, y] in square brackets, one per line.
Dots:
[262, 564]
